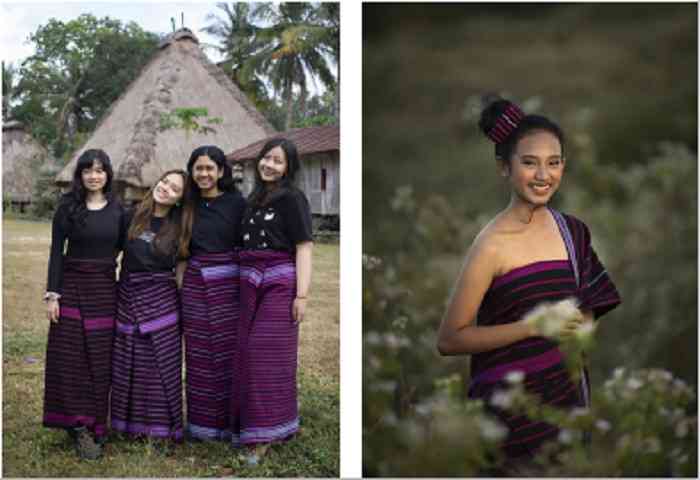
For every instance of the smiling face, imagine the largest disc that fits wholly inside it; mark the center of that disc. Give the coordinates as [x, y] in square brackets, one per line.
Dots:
[536, 167]
[94, 178]
[168, 191]
[273, 165]
[206, 173]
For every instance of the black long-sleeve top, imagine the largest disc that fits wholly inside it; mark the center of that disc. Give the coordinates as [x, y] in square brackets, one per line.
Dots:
[217, 223]
[280, 224]
[140, 254]
[100, 236]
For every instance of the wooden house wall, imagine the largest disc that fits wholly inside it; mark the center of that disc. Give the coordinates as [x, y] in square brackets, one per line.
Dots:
[323, 202]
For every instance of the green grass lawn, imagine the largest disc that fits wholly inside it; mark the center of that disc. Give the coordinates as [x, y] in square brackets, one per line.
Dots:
[30, 450]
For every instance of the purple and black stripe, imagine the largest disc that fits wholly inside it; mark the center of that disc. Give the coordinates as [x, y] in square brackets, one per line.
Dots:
[507, 300]
[147, 357]
[78, 355]
[210, 313]
[265, 407]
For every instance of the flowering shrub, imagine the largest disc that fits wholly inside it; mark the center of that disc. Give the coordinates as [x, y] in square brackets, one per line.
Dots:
[417, 419]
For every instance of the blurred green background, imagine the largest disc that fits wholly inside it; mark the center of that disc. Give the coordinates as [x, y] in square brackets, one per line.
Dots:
[621, 79]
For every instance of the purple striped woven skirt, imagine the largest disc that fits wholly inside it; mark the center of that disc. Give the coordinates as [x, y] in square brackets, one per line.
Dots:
[78, 355]
[265, 408]
[210, 312]
[147, 357]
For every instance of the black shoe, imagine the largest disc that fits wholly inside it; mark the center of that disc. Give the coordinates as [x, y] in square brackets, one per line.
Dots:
[85, 444]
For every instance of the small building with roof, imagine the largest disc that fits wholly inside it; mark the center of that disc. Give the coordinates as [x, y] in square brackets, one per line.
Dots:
[23, 159]
[319, 155]
[178, 76]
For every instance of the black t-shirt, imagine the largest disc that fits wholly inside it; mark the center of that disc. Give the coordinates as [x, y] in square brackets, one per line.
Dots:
[101, 236]
[140, 254]
[217, 223]
[281, 224]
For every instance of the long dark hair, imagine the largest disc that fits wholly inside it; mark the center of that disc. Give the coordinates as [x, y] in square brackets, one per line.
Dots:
[76, 197]
[259, 194]
[225, 184]
[172, 238]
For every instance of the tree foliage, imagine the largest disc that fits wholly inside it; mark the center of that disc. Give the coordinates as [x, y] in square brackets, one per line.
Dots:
[430, 183]
[78, 69]
[190, 120]
[238, 43]
[283, 46]
[10, 90]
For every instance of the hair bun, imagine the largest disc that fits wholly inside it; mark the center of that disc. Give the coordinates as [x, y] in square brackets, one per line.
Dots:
[500, 119]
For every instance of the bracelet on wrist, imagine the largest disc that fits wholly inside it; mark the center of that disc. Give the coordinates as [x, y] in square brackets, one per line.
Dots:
[51, 296]
[304, 297]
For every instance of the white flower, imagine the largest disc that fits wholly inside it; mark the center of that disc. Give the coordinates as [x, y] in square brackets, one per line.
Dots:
[585, 331]
[679, 386]
[400, 322]
[566, 436]
[501, 399]
[370, 262]
[515, 376]
[681, 429]
[394, 341]
[634, 384]
[423, 409]
[578, 412]
[618, 373]
[491, 430]
[550, 318]
[566, 309]
[390, 419]
[653, 445]
[602, 425]
[535, 315]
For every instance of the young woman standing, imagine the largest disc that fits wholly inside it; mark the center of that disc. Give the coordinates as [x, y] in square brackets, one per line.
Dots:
[210, 292]
[81, 304]
[275, 280]
[528, 254]
[147, 357]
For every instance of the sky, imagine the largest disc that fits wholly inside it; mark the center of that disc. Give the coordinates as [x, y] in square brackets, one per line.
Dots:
[20, 19]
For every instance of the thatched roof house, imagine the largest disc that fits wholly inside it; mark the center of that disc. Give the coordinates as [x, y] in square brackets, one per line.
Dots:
[22, 159]
[319, 154]
[178, 76]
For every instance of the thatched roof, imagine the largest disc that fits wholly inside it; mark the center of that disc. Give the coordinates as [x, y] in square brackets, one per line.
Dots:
[22, 159]
[178, 76]
[308, 140]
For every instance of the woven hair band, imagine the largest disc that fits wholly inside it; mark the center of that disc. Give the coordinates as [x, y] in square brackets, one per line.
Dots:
[506, 123]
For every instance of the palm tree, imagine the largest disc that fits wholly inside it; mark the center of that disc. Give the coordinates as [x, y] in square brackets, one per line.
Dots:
[238, 43]
[10, 89]
[294, 46]
[329, 15]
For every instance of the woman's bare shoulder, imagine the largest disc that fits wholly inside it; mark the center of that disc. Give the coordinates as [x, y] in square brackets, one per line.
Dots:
[488, 244]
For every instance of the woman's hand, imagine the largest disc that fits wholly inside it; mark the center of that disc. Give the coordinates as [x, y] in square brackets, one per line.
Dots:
[570, 327]
[180, 273]
[53, 310]
[298, 310]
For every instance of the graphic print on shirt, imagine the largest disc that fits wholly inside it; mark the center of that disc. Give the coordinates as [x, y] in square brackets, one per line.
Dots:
[147, 236]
